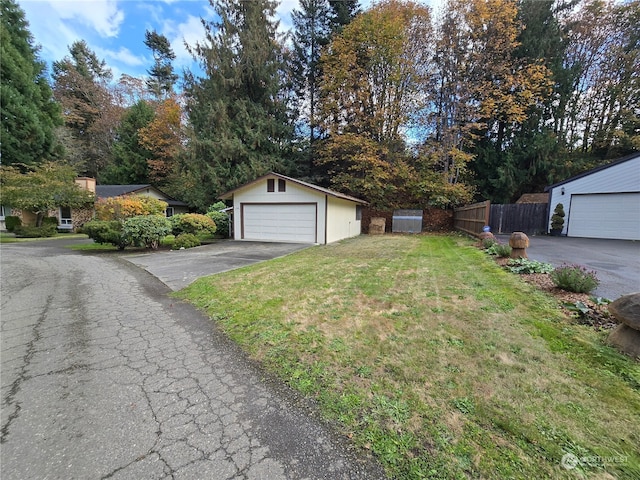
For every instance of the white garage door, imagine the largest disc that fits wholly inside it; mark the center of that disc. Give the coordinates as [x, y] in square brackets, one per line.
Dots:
[615, 215]
[290, 222]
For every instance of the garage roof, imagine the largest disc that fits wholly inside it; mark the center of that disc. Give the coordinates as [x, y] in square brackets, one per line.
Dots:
[594, 170]
[229, 194]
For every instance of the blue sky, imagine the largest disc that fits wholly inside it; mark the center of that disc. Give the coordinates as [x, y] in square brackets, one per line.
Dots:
[114, 29]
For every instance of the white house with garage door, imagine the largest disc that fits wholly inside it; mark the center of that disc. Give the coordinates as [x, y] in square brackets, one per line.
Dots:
[275, 208]
[601, 203]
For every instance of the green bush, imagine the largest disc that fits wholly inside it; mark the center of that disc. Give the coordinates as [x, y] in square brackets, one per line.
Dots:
[574, 278]
[525, 266]
[46, 230]
[11, 222]
[221, 219]
[50, 221]
[146, 230]
[194, 223]
[498, 249]
[109, 232]
[186, 240]
[488, 242]
[557, 219]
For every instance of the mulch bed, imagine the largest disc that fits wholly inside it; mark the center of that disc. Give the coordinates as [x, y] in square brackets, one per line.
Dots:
[598, 315]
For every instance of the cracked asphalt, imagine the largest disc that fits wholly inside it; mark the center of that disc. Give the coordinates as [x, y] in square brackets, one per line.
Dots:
[103, 376]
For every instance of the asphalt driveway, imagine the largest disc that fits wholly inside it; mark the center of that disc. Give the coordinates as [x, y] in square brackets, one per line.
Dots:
[616, 262]
[178, 268]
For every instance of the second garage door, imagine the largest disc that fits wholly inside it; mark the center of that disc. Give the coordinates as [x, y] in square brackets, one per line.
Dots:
[613, 215]
[280, 222]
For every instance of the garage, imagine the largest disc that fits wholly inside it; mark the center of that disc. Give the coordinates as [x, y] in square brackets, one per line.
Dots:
[279, 222]
[601, 203]
[277, 208]
[615, 215]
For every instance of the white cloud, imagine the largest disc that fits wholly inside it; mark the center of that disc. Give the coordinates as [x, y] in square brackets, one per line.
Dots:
[123, 55]
[102, 16]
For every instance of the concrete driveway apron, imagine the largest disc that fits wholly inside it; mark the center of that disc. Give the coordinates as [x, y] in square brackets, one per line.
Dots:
[178, 268]
[616, 262]
[105, 376]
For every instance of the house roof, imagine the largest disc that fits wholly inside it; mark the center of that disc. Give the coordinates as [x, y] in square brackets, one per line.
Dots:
[326, 191]
[534, 198]
[594, 170]
[107, 191]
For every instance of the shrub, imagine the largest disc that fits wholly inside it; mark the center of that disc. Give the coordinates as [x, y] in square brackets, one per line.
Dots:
[488, 242]
[193, 223]
[128, 206]
[105, 232]
[221, 219]
[146, 230]
[499, 249]
[557, 219]
[11, 222]
[46, 230]
[50, 221]
[523, 266]
[186, 240]
[574, 278]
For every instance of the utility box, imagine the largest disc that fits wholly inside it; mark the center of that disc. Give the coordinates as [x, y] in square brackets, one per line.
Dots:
[407, 221]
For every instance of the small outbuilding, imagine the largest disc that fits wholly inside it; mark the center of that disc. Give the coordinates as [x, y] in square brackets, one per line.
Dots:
[601, 203]
[276, 208]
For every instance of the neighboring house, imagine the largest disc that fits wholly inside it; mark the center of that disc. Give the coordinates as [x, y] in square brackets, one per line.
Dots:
[174, 206]
[276, 208]
[601, 203]
[68, 218]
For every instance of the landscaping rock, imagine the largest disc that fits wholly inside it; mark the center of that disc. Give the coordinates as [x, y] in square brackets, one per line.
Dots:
[484, 235]
[626, 310]
[625, 339]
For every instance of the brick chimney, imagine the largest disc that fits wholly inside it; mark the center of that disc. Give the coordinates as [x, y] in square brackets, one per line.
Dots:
[87, 183]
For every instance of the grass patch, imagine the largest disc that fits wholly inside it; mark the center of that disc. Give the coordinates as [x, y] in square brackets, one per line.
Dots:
[11, 238]
[442, 364]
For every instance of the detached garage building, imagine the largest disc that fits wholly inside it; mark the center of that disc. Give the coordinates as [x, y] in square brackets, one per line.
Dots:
[601, 203]
[276, 208]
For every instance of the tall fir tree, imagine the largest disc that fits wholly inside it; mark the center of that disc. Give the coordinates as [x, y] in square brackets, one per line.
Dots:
[28, 113]
[312, 32]
[130, 156]
[162, 77]
[239, 120]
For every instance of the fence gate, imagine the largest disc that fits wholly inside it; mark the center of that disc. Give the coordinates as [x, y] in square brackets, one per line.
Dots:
[407, 221]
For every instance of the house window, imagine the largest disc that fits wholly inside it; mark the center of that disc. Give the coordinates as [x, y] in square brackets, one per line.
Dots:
[65, 222]
[169, 211]
[2, 213]
[358, 212]
[282, 185]
[271, 185]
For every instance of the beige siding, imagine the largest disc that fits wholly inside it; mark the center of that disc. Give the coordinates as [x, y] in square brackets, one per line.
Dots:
[342, 220]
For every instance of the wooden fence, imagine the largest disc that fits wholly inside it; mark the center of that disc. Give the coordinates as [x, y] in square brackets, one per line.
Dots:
[471, 218]
[530, 218]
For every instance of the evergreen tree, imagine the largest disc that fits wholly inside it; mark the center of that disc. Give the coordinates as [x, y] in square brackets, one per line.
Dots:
[312, 30]
[343, 12]
[28, 114]
[240, 127]
[130, 157]
[162, 76]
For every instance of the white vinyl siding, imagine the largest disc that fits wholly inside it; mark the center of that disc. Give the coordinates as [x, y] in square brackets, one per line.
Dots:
[282, 222]
[614, 215]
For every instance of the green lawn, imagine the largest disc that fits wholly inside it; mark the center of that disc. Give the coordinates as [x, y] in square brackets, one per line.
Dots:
[426, 353]
[11, 238]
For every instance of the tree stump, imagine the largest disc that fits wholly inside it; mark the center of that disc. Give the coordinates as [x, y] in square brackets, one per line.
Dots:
[518, 243]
